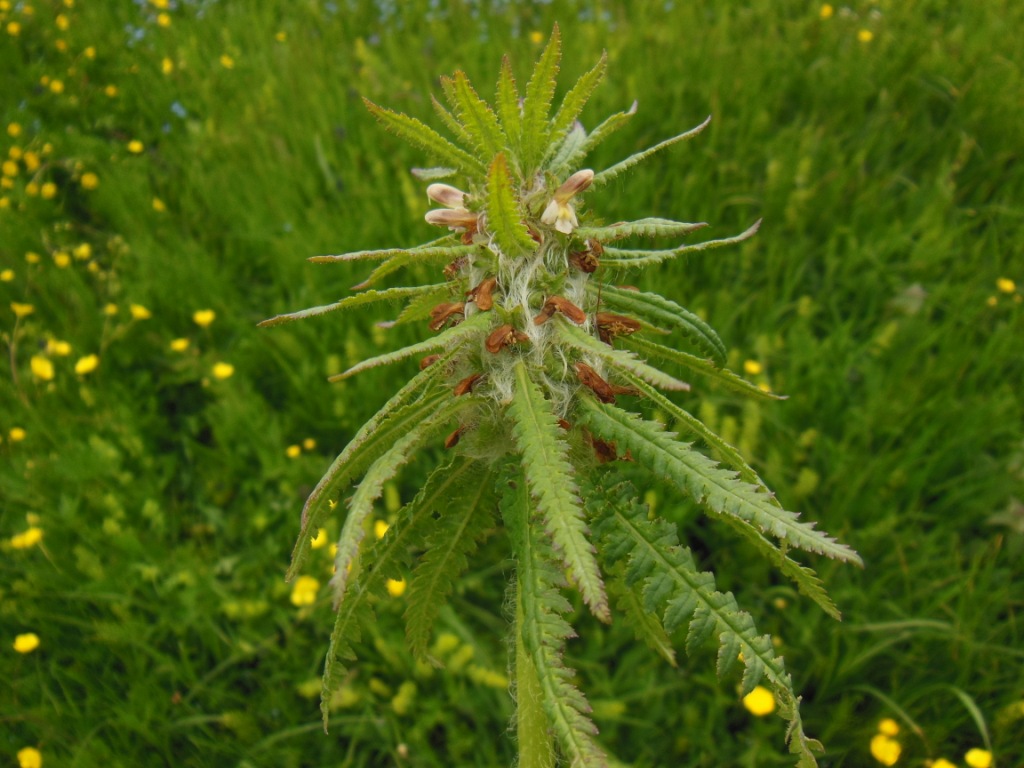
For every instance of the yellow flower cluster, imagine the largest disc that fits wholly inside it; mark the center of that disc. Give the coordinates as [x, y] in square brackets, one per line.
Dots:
[304, 591]
[31, 536]
[884, 746]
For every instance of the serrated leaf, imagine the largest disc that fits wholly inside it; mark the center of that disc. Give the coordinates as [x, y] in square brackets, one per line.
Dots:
[433, 174]
[419, 307]
[448, 119]
[477, 117]
[576, 98]
[723, 376]
[428, 251]
[360, 299]
[714, 488]
[615, 257]
[535, 133]
[403, 259]
[455, 335]
[650, 227]
[595, 137]
[610, 173]
[567, 149]
[541, 609]
[426, 138]
[507, 102]
[504, 217]
[550, 476]
[663, 313]
[466, 514]
[617, 358]
[646, 625]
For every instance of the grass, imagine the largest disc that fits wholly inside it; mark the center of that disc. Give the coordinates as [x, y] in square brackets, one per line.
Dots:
[888, 175]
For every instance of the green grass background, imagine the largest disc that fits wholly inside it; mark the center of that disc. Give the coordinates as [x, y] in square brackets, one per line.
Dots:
[889, 175]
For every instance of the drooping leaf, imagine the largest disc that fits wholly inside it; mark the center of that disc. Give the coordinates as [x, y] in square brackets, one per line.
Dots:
[615, 257]
[358, 300]
[543, 627]
[465, 515]
[426, 138]
[610, 173]
[714, 488]
[617, 358]
[663, 313]
[550, 475]
[535, 133]
[504, 216]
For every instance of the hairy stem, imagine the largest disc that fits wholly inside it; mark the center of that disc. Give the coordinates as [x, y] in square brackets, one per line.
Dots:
[536, 745]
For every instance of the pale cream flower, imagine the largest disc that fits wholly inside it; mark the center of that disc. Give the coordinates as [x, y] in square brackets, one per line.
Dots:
[560, 213]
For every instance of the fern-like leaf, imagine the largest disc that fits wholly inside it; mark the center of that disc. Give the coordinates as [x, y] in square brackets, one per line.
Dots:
[550, 476]
[535, 131]
[646, 625]
[716, 489]
[503, 214]
[450, 336]
[640, 228]
[358, 300]
[617, 358]
[674, 586]
[615, 257]
[544, 628]
[466, 513]
[426, 138]
[662, 313]
[610, 173]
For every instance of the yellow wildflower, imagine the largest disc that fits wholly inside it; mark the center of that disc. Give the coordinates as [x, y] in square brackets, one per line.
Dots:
[90, 180]
[32, 257]
[9, 168]
[396, 587]
[536, 37]
[30, 757]
[90, 52]
[759, 701]
[58, 347]
[41, 367]
[62, 46]
[223, 370]
[166, 66]
[293, 451]
[320, 540]
[57, 86]
[304, 591]
[87, 364]
[888, 726]
[826, 11]
[110, 309]
[82, 251]
[179, 345]
[30, 536]
[160, 4]
[752, 367]
[22, 310]
[380, 528]
[14, 29]
[865, 35]
[62, 22]
[227, 62]
[281, 36]
[203, 317]
[62, 259]
[31, 189]
[6, 275]
[309, 444]
[1006, 285]
[135, 146]
[139, 312]
[14, 153]
[13, 130]
[978, 758]
[942, 763]
[17, 434]
[158, 205]
[110, 91]
[31, 160]
[163, 19]
[885, 749]
[48, 190]
[26, 643]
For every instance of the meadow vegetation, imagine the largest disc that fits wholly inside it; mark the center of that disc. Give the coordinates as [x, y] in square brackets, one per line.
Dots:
[168, 167]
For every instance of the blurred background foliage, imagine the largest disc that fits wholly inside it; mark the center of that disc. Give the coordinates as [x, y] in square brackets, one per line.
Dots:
[167, 167]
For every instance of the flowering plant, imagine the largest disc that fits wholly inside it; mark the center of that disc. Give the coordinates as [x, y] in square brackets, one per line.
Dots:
[533, 345]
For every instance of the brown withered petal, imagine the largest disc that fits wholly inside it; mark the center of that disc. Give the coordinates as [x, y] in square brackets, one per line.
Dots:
[481, 295]
[442, 312]
[593, 381]
[563, 305]
[466, 385]
[453, 439]
[585, 261]
[610, 325]
[604, 450]
[429, 360]
[564, 424]
[502, 336]
[595, 247]
[452, 270]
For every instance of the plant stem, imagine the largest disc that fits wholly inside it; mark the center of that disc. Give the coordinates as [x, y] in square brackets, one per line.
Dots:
[536, 747]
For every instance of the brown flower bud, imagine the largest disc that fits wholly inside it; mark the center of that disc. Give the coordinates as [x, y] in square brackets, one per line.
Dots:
[610, 325]
[502, 336]
[428, 361]
[563, 305]
[589, 259]
[466, 385]
[453, 439]
[481, 295]
[442, 312]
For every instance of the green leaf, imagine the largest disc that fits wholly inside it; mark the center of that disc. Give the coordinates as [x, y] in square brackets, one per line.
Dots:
[360, 299]
[446, 339]
[617, 358]
[567, 150]
[507, 101]
[428, 251]
[454, 126]
[433, 174]
[504, 218]
[360, 505]
[683, 592]
[700, 365]
[615, 257]
[714, 488]
[426, 138]
[536, 132]
[595, 137]
[576, 98]
[646, 625]
[544, 629]
[550, 476]
[419, 306]
[477, 117]
[403, 259]
[640, 228]
[610, 173]
[466, 513]
[661, 312]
